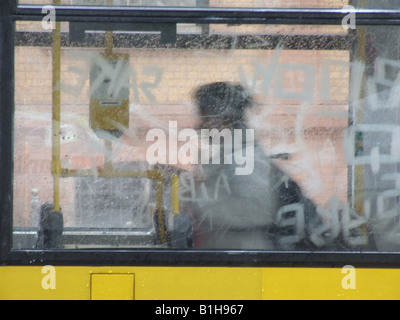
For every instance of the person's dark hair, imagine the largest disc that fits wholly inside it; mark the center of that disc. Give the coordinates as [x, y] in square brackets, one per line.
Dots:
[223, 99]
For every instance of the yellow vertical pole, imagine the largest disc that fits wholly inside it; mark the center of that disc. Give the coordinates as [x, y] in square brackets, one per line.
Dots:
[175, 194]
[109, 43]
[160, 209]
[108, 167]
[56, 114]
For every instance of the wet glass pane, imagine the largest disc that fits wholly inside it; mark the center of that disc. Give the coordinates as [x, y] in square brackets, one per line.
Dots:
[206, 137]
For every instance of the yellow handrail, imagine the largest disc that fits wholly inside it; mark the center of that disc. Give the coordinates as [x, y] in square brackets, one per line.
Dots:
[175, 194]
[108, 171]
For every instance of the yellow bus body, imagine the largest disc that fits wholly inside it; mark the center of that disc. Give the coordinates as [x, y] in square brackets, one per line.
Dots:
[196, 283]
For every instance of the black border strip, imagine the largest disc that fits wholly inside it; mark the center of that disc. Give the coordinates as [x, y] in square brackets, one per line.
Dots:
[209, 15]
[160, 257]
[6, 127]
[202, 258]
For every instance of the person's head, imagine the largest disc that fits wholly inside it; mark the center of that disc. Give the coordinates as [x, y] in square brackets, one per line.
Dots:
[222, 104]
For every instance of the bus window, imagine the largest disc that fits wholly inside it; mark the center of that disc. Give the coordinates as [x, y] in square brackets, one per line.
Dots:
[191, 136]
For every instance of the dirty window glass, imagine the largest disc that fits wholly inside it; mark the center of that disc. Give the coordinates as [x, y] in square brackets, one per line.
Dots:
[206, 137]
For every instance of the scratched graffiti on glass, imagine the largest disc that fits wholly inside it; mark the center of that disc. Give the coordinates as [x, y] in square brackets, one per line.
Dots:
[238, 147]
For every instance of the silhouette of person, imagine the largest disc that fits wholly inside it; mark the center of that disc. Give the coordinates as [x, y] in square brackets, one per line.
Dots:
[262, 210]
